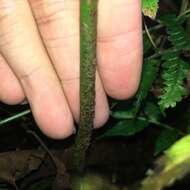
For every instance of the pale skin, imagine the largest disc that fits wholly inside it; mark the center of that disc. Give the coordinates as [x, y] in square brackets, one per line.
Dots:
[39, 58]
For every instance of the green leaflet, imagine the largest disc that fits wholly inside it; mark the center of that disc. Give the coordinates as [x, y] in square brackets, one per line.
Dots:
[146, 44]
[152, 112]
[150, 7]
[173, 165]
[176, 33]
[126, 128]
[149, 73]
[165, 140]
[149, 3]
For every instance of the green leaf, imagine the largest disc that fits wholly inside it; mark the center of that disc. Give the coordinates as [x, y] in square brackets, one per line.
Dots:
[149, 73]
[125, 128]
[152, 111]
[150, 7]
[149, 3]
[126, 114]
[146, 44]
[165, 140]
[173, 165]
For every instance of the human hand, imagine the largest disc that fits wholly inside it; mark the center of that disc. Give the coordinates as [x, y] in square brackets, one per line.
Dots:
[39, 58]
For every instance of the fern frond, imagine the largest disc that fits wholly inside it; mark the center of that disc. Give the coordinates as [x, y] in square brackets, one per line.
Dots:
[176, 33]
[174, 72]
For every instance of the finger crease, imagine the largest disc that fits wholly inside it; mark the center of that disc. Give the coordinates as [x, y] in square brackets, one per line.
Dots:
[68, 80]
[53, 16]
[116, 37]
[27, 75]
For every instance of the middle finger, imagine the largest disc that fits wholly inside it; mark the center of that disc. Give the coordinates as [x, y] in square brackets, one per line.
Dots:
[58, 22]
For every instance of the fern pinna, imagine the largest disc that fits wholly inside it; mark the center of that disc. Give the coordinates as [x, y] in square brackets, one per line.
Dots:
[176, 33]
[174, 72]
[175, 69]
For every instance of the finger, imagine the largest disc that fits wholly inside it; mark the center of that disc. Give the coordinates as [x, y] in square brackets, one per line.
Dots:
[21, 46]
[58, 22]
[119, 46]
[10, 89]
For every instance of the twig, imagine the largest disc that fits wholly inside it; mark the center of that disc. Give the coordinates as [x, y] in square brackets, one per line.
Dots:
[14, 117]
[60, 167]
[149, 36]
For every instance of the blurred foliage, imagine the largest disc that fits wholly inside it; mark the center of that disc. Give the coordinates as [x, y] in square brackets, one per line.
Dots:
[173, 165]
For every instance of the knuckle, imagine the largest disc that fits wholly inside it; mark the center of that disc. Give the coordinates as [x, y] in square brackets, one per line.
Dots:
[25, 77]
[69, 80]
[7, 40]
[58, 41]
[118, 37]
[9, 21]
[49, 12]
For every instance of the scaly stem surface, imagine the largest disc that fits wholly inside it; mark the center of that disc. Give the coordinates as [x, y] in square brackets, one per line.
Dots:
[88, 32]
